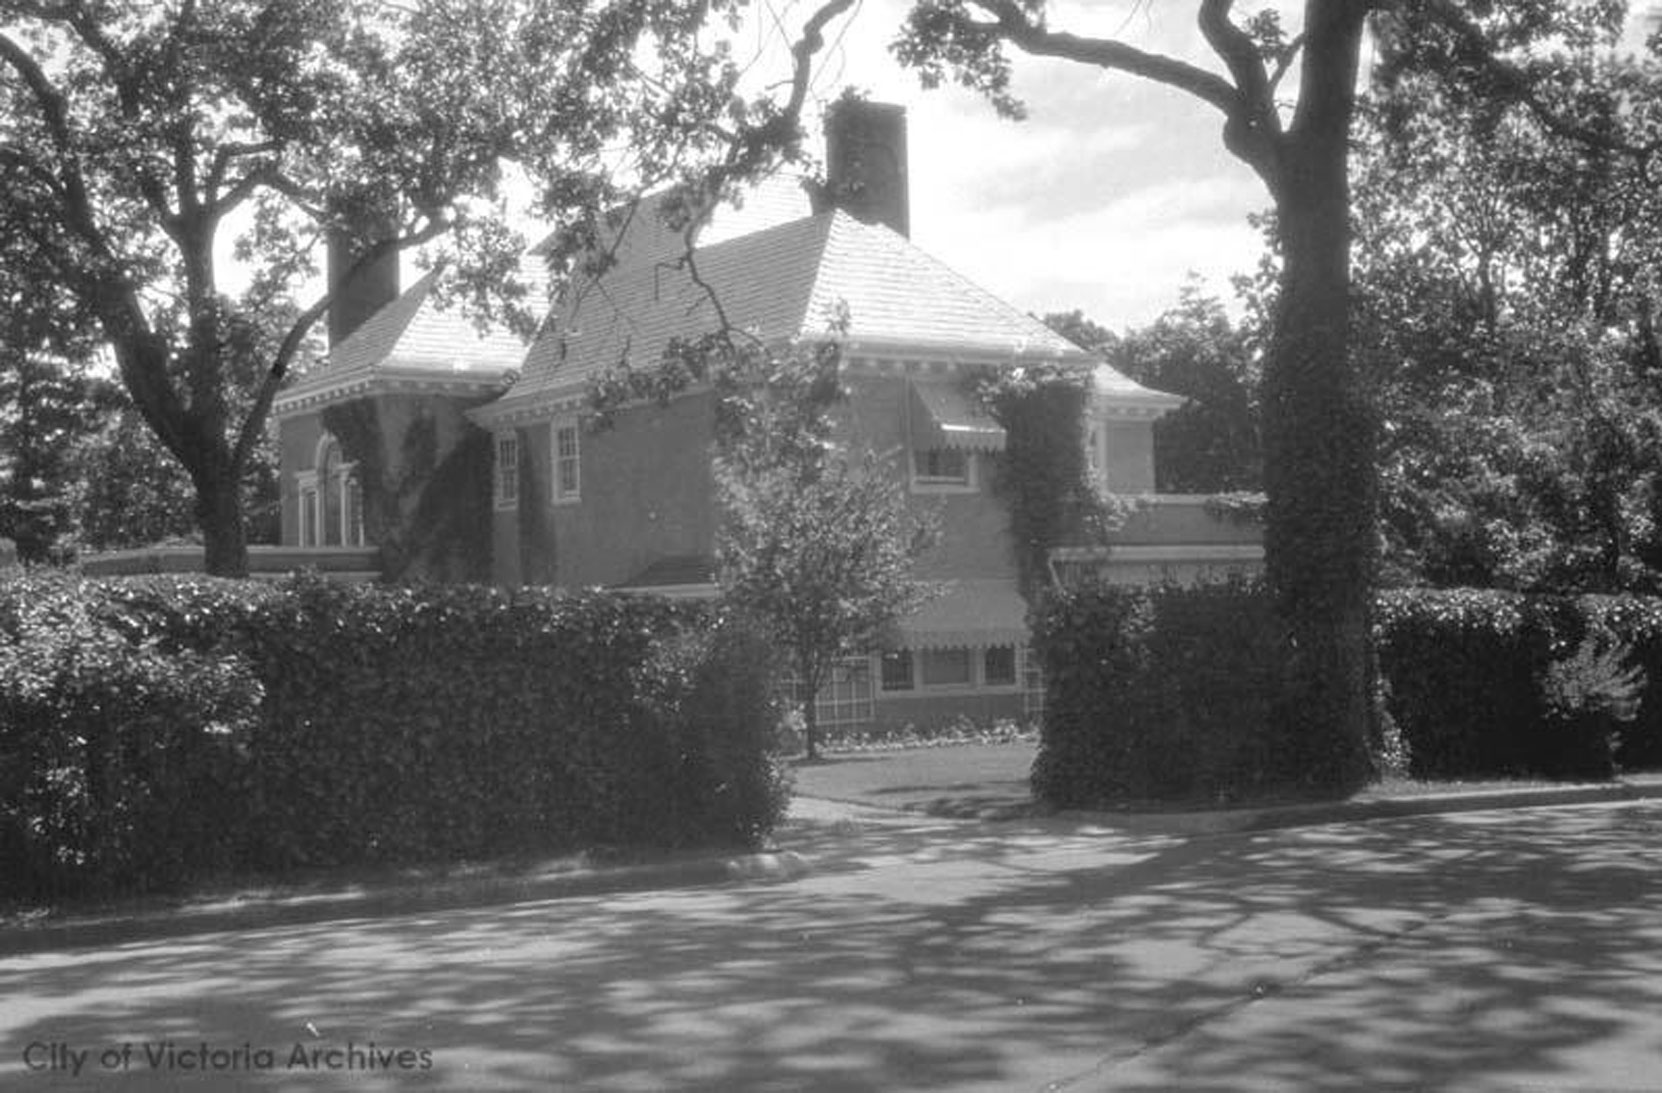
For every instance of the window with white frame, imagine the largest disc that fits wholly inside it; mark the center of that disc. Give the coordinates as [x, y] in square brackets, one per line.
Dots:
[568, 467]
[331, 507]
[942, 468]
[308, 512]
[507, 470]
[1032, 683]
[846, 697]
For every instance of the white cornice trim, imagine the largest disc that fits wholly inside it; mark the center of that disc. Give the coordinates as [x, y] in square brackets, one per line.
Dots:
[388, 381]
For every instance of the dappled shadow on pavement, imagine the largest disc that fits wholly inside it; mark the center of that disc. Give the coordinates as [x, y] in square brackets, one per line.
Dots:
[928, 954]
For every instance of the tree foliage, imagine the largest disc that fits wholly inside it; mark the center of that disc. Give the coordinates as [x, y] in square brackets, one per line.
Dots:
[133, 136]
[1209, 444]
[1319, 428]
[1506, 285]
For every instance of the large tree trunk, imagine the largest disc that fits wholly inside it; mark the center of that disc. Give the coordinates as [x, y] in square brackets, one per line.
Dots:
[1319, 476]
[219, 514]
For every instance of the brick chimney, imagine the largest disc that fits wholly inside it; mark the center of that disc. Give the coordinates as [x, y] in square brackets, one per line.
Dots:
[361, 219]
[865, 156]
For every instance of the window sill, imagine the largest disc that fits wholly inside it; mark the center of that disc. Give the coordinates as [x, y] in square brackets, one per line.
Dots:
[954, 690]
[942, 486]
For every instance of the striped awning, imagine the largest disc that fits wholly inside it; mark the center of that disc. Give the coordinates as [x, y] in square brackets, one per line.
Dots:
[942, 416]
[966, 613]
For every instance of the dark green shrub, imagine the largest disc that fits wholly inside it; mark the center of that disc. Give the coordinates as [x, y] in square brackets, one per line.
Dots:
[1172, 693]
[1484, 682]
[1461, 668]
[263, 727]
[1161, 693]
[119, 757]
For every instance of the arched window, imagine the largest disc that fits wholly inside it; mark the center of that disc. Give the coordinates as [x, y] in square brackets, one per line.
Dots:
[331, 499]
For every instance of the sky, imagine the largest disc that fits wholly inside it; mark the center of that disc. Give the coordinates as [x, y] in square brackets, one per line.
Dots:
[1109, 195]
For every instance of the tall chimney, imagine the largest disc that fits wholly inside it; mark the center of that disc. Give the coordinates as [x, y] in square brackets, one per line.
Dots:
[865, 153]
[360, 220]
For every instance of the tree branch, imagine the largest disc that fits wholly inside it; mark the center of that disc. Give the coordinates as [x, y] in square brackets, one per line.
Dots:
[1519, 87]
[1012, 23]
[249, 434]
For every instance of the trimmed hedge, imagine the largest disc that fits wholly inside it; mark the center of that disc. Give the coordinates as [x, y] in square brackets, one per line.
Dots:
[1159, 693]
[1463, 671]
[1171, 693]
[155, 730]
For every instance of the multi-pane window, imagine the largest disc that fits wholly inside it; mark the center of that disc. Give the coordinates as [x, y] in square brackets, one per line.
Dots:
[941, 467]
[507, 470]
[897, 670]
[998, 666]
[567, 462]
[947, 668]
[846, 697]
[1032, 684]
[331, 500]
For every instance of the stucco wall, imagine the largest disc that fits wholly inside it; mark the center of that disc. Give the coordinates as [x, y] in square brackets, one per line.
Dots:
[894, 713]
[646, 493]
[974, 537]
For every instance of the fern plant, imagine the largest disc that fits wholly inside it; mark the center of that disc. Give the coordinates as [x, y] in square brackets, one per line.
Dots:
[1596, 679]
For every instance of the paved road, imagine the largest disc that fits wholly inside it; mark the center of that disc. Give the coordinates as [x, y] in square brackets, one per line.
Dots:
[1484, 951]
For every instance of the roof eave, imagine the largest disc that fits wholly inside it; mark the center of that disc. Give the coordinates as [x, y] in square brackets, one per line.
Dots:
[362, 383]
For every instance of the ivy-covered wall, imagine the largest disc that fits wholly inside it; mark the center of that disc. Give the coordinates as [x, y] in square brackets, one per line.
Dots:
[425, 472]
[645, 494]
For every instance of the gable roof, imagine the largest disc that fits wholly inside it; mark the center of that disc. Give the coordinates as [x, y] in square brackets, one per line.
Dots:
[781, 283]
[410, 338]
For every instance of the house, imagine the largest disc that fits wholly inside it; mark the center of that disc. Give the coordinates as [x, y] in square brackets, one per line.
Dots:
[469, 456]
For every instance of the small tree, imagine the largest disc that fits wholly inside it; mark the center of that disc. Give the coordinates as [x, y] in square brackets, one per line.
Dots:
[817, 542]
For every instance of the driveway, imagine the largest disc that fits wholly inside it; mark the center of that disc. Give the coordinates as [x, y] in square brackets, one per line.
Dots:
[1480, 951]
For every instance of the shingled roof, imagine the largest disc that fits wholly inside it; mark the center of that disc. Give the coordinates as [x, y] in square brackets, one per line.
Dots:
[784, 282]
[412, 337]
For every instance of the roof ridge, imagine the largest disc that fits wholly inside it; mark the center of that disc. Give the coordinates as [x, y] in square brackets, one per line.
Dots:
[822, 245]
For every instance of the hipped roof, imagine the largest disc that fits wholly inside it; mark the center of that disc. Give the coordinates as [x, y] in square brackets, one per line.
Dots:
[411, 336]
[783, 283]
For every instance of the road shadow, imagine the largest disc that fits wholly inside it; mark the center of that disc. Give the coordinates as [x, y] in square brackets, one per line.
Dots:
[930, 954]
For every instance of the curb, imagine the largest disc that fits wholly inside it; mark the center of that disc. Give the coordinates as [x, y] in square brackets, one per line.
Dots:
[115, 929]
[1390, 807]
[1234, 821]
